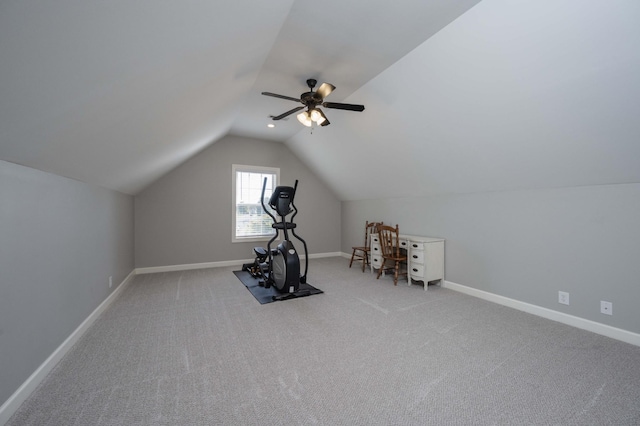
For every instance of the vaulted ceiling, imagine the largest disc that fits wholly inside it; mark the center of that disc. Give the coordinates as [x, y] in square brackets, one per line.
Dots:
[461, 96]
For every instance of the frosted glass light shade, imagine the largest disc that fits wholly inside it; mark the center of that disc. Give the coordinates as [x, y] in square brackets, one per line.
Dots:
[304, 118]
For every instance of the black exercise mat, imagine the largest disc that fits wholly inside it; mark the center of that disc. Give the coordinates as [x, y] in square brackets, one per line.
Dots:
[266, 295]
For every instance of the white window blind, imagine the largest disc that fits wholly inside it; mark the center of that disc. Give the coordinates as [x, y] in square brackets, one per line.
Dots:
[250, 222]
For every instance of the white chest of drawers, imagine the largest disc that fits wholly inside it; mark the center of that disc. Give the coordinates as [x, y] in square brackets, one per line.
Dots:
[425, 257]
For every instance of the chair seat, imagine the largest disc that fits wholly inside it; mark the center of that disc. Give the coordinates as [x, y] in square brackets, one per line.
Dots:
[390, 252]
[361, 248]
[400, 258]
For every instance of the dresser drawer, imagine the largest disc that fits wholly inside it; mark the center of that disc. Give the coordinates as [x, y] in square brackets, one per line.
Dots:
[417, 245]
[375, 249]
[376, 252]
[417, 272]
[416, 256]
[404, 244]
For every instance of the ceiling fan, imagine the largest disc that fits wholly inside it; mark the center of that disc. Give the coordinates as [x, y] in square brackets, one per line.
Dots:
[312, 100]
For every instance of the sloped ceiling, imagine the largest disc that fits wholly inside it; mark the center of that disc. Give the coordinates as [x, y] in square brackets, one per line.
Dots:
[510, 96]
[460, 96]
[118, 93]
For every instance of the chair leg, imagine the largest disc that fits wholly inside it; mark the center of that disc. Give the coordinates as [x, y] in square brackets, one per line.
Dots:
[395, 273]
[365, 260]
[352, 254]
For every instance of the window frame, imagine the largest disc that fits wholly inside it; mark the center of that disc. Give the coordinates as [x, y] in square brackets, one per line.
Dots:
[235, 168]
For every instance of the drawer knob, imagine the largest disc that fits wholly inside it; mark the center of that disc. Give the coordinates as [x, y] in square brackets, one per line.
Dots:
[415, 270]
[415, 257]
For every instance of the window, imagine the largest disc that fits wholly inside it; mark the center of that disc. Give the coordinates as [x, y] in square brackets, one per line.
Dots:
[250, 222]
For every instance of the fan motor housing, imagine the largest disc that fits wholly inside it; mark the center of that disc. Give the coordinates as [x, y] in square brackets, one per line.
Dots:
[310, 98]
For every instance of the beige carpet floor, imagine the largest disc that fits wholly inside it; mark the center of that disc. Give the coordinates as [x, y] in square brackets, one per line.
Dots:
[196, 348]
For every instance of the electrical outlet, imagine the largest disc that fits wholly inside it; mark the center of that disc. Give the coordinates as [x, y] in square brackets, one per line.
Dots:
[563, 297]
[606, 308]
[110, 281]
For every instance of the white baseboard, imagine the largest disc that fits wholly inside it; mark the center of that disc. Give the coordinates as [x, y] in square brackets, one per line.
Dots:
[319, 255]
[19, 396]
[584, 324]
[189, 266]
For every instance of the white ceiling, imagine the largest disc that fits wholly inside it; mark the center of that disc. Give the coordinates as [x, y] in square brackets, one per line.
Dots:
[459, 98]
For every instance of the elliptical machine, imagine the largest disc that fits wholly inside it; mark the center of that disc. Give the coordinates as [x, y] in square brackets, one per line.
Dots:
[280, 267]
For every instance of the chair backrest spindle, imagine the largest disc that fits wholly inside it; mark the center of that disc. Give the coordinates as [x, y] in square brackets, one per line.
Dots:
[370, 228]
[389, 240]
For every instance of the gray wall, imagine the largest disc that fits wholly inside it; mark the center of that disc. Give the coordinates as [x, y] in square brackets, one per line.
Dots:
[527, 245]
[60, 240]
[185, 217]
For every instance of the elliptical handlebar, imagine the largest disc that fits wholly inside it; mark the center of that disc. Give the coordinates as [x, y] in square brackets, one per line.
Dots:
[303, 277]
[295, 209]
[264, 208]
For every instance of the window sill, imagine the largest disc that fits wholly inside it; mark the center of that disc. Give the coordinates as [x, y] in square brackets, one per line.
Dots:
[250, 239]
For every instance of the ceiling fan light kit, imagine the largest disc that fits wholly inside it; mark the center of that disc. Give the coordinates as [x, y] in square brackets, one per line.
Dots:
[314, 116]
[311, 100]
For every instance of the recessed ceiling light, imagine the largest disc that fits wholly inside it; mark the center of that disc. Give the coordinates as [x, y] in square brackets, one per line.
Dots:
[271, 125]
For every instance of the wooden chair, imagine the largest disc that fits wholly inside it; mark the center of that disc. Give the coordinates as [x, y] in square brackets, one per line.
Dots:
[362, 252]
[391, 252]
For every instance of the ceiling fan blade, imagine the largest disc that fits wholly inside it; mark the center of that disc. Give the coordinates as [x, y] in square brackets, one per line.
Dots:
[337, 105]
[325, 89]
[281, 116]
[275, 95]
[326, 120]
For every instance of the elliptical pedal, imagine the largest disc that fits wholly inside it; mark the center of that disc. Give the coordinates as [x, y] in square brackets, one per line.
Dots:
[295, 294]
